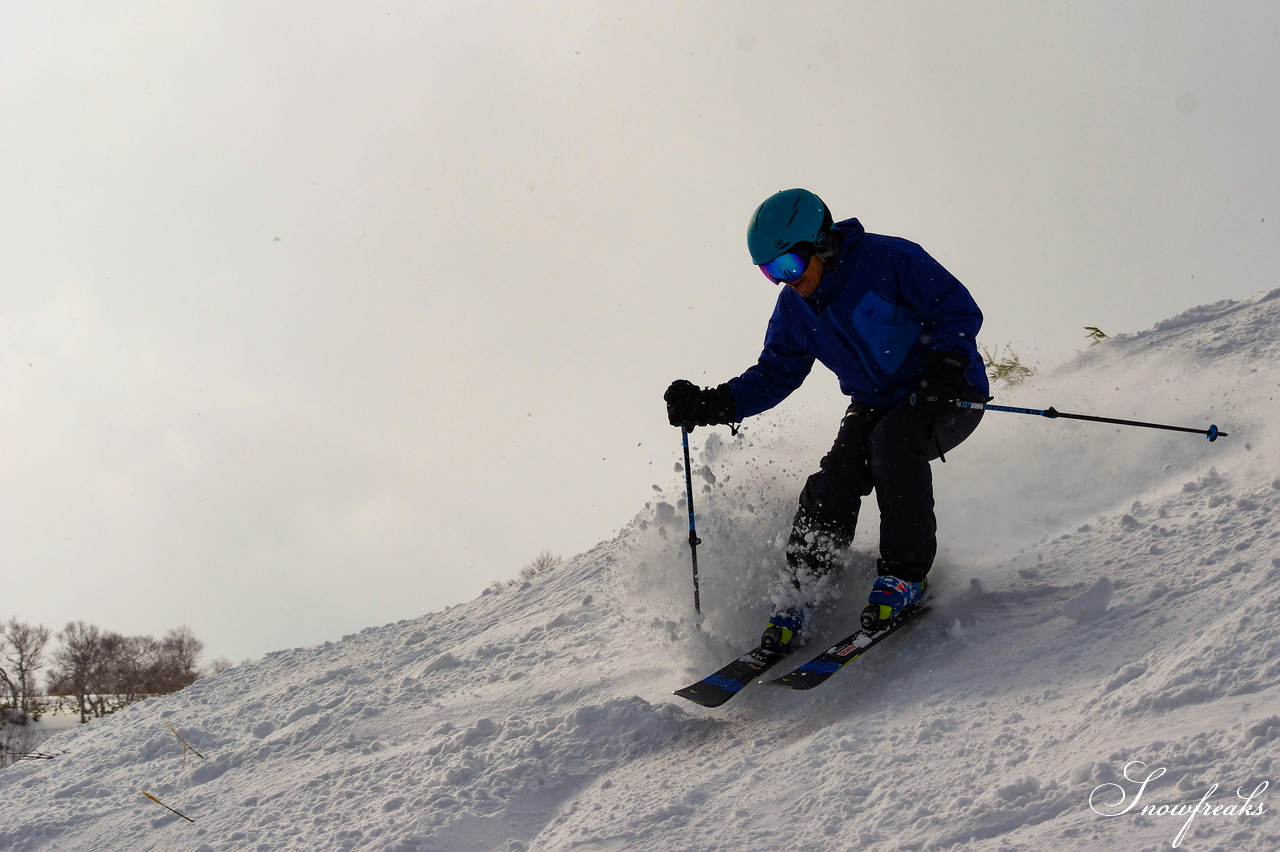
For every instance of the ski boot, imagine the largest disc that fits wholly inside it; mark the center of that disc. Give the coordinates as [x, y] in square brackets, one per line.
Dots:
[783, 632]
[889, 597]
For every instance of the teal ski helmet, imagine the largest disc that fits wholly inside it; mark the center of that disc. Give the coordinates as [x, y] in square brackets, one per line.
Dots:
[787, 219]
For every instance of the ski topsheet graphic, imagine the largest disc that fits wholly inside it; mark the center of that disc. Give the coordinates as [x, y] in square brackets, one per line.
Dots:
[842, 653]
[715, 689]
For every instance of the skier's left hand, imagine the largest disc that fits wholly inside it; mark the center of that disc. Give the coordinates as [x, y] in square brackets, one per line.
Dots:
[941, 384]
[689, 406]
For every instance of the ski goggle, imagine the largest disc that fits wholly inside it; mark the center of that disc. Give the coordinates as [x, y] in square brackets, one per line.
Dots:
[788, 267]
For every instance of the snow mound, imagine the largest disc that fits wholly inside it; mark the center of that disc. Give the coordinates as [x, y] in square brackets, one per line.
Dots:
[1091, 603]
[1107, 605]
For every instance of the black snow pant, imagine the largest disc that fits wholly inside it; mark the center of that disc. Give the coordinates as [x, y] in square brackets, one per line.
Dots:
[887, 450]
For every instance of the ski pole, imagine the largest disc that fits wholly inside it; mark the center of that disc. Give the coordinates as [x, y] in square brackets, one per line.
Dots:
[1212, 432]
[694, 541]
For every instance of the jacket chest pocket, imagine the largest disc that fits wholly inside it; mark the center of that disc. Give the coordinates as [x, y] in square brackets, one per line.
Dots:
[886, 331]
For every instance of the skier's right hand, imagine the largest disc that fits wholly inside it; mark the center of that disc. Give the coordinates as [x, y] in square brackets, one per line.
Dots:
[689, 406]
[941, 385]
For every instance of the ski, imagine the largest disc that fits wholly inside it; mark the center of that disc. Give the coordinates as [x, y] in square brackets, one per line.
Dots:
[715, 689]
[839, 655]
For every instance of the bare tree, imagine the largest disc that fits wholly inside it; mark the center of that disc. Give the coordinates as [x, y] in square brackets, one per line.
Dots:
[179, 659]
[10, 686]
[218, 666]
[133, 668]
[104, 674]
[78, 663]
[22, 646]
[106, 671]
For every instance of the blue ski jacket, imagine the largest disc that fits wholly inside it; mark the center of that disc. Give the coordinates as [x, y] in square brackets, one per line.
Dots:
[881, 305]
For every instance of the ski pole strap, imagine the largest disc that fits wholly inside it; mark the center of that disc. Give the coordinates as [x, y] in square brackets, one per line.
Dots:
[1212, 432]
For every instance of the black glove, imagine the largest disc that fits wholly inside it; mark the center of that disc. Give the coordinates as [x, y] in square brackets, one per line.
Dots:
[689, 406]
[941, 384]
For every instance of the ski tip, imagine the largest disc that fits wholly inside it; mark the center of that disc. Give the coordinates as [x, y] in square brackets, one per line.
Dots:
[709, 703]
[704, 697]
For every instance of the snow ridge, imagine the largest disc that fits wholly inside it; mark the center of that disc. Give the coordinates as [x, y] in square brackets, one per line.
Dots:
[1107, 604]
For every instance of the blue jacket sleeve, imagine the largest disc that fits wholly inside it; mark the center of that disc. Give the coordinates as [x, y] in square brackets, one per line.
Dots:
[948, 309]
[783, 366]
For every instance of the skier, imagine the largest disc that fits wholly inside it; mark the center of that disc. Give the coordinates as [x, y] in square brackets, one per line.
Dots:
[899, 332]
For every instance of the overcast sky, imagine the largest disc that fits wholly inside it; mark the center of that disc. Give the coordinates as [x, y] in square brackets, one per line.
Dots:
[317, 315]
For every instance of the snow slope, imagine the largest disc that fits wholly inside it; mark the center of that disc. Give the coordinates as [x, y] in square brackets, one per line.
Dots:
[1105, 596]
